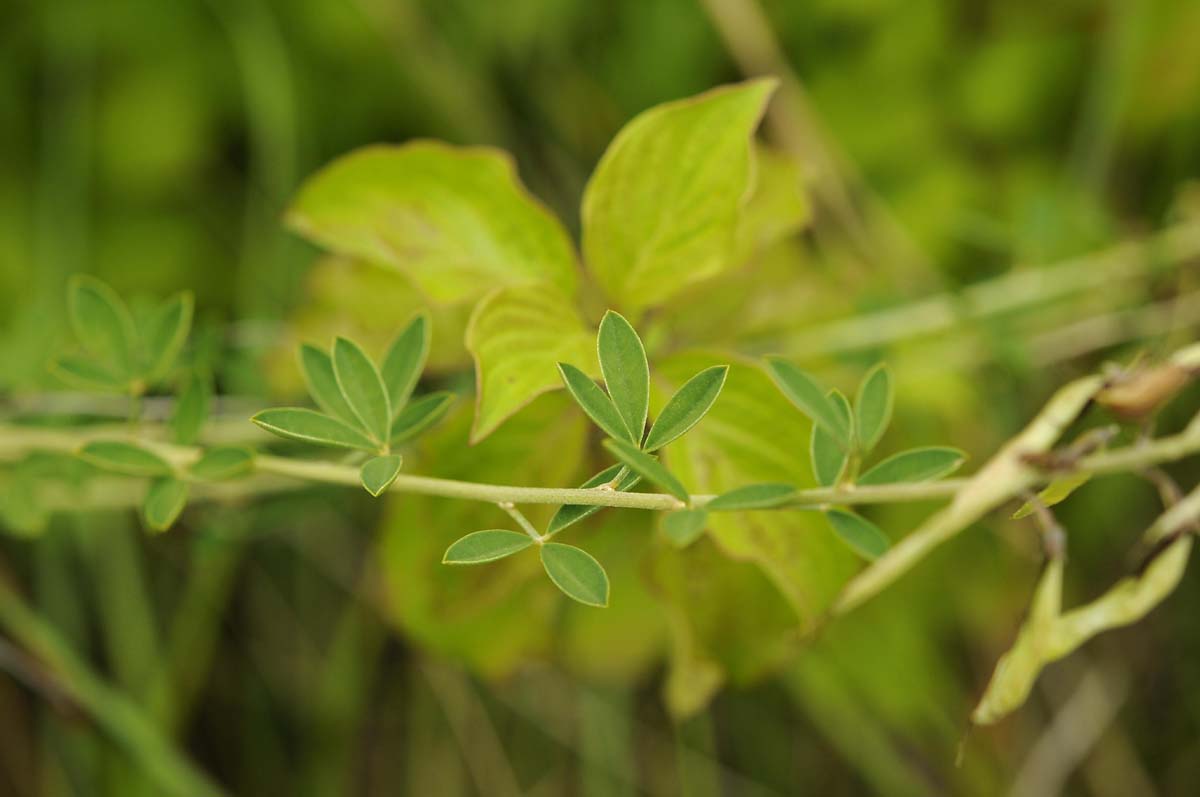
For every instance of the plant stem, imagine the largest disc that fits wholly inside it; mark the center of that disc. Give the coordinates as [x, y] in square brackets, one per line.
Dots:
[521, 520]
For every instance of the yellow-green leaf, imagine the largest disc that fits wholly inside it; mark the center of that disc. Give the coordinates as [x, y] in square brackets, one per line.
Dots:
[103, 324]
[828, 458]
[873, 407]
[164, 501]
[125, 458]
[165, 333]
[224, 462]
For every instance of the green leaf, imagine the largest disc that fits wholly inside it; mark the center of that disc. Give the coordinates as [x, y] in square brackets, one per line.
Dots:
[317, 367]
[646, 466]
[378, 473]
[859, 533]
[516, 335]
[21, 510]
[685, 409]
[626, 372]
[575, 572]
[191, 410]
[363, 388]
[753, 496]
[165, 334]
[873, 407]
[456, 220]
[419, 415]
[915, 465]
[1055, 492]
[594, 401]
[164, 501]
[661, 210]
[124, 458]
[485, 546]
[570, 514]
[102, 323]
[312, 427]
[223, 462]
[827, 457]
[405, 360]
[685, 526]
[87, 374]
[808, 396]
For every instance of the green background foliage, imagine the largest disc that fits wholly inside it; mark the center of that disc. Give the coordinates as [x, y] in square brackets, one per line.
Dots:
[312, 642]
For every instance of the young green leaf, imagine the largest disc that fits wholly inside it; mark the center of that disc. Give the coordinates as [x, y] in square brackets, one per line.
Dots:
[165, 334]
[873, 407]
[87, 374]
[378, 473]
[803, 391]
[575, 572]
[363, 388]
[404, 361]
[102, 323]
[859, 533]
[317, 367]
[598, 406]
[191, 410]
[827, 457]
[915, 465]
[573, 513]
[1055, 492]
[685, 409]
[223, 462]
[647, 466]
[626, 372]
[419, 415]
[752, 496]
[312, 427]
[485, 546]
[124, 458]
[685, 526]
[164, 501]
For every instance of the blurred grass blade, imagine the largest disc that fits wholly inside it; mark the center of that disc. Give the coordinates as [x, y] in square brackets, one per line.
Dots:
[859, 533]
[309, 426]
[598, 406]
[647, 466]
[419, 415]
[317, 367]
[377, 474]
[102, 323]
[685, 409]
[165, 334]
[485, 546]
[164, 501]
[575, 572]
[827, 457]
[573, 513]
[405, 360]
[224, 462]
[752, 496]
[626, 372]
[873, 407]
[363, 388]
[124, 458]
[685, 526]
[808, 396]
[915, 465]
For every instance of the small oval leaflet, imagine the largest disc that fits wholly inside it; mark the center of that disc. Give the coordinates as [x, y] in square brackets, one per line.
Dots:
[873, 406]
[685, 409]
[164, 501]
[809, 397]
[363, 388]
[419, 415]
[225, 462]
[753, 496]
[87, 374]
[102, 323]
[626, 372]
[404, 361]
[685, 526]
[598, 406]
[124, 458]
[191, 410]
[485, 546]
[377, 474]
[575, 572]
[827, 457]
[317, 367]
[915, 465]
[859, 533]
[165, 334]
[647, 466]
[309, 426]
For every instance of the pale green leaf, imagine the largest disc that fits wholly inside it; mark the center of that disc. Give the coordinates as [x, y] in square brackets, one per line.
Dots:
[419, 415]
[646, 466]
[378, 473]
[662, 208]
[363, 388]
[87, 374]
[165, 333]
[573, 513]
[485, 546]
[915, 465]
[102, 323]
[1055, 492]
[317, 367]
[164, 501]
[309, 426]
[594, 401]
[223, 462]
[873, 407]
[626, 372]
[191, 410]
[685, 409]
[777, 208]
[685, 526]
[405, 360]
[575, 572]
[827, 457]
[808, 396]
[125, 458]
[516, 335]
[456, 220]
[753, 496]
[859, 533]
